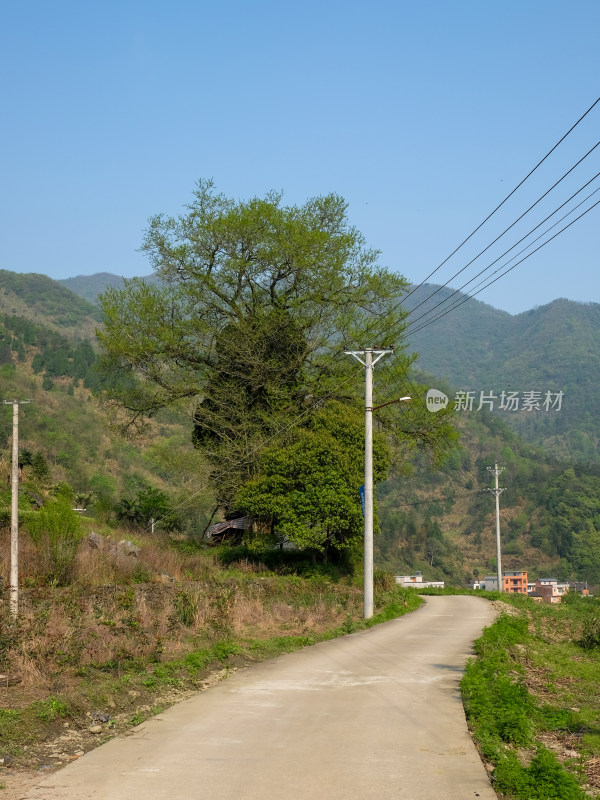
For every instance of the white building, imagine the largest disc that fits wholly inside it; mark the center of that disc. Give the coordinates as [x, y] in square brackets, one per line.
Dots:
[416, 581]
[548, 590]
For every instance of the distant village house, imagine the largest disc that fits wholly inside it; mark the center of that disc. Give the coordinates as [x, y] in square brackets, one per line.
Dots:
[416, 581]
[543, 590]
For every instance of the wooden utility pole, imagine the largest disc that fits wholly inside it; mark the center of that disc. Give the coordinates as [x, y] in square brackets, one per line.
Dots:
[14, 511]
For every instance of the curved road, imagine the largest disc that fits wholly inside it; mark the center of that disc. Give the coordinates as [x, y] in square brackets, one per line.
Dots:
[373, 715]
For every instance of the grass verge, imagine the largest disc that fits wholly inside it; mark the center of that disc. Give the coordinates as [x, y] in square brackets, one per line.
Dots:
[531, 699]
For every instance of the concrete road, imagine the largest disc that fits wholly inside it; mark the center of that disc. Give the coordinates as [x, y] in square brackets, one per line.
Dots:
[373, 715]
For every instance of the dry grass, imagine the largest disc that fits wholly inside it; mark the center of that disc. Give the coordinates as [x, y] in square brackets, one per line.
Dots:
[29, 673]
[109, 627]
[30, 563]
[97, 568]
[93, 567]
[122, 613]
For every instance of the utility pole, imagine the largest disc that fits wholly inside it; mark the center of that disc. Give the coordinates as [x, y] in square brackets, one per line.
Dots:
[496, 491]
[371, 357]
[14, 511]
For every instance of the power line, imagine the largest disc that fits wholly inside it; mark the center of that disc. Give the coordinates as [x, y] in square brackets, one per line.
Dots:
[485, 269]
[402, 328]
[469, 297]
[508, 196]
[512, 225]
[394, 332]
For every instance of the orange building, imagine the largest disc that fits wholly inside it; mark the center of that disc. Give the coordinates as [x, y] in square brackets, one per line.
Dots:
[515, 582]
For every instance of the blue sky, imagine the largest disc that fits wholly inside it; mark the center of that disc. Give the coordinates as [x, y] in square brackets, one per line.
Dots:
[422, 115]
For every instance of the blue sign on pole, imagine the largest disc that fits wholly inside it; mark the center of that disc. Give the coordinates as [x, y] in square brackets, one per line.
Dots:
[362, 499]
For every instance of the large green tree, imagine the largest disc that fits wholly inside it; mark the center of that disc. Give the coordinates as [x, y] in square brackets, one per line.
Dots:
[246, 326]
[308, 491]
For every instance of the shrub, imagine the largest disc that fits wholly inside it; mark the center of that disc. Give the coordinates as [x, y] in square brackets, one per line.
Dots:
[383, 581]
[56, 532]
[590, 637]
[186, 607]
[544, 779]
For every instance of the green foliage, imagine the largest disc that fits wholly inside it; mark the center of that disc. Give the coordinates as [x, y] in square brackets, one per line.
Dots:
[493, 695]
[56, 532]
[149, 504]
[550, 507]
[383, 581]
[308, 492]
[256, 300]
[543, 779]
[41, 470]
[185, 604]
[10, 723]
[56, 357]
[507, 720]
[52, 708]
[257, 373]
[590, 637]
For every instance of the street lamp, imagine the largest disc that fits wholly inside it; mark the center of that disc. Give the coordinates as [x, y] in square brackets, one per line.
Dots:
[369, 363]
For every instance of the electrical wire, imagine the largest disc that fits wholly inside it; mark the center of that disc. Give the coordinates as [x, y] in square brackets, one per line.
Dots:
[469, 297]
[522, 239]
[300, 417]
[401, 326]
[528, 246]
[505, 231]
[508, 196]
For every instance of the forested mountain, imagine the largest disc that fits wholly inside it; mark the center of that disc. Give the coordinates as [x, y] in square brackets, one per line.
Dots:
[67, 434]
[435, 519]
[90, 286]
[40, 299]
[48, 353]
[442, 521]
[553, 348]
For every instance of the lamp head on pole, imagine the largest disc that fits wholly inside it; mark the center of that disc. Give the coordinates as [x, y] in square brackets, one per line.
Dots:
[390, 402]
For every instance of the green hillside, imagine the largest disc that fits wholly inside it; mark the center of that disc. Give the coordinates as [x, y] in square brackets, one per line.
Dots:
[460, 346]
[40, 299]
[476, 347]
[436, 520]
[553, 348]
[443, 521]
[68, 434]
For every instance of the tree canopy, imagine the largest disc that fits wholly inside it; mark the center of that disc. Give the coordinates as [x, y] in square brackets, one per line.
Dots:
[246, 326]
[307, 492]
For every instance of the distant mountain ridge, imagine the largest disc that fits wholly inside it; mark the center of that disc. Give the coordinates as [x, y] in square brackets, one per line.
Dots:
[91, 286]
[555, 347]
[435, 520]
[42, 300]
[475, 347]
